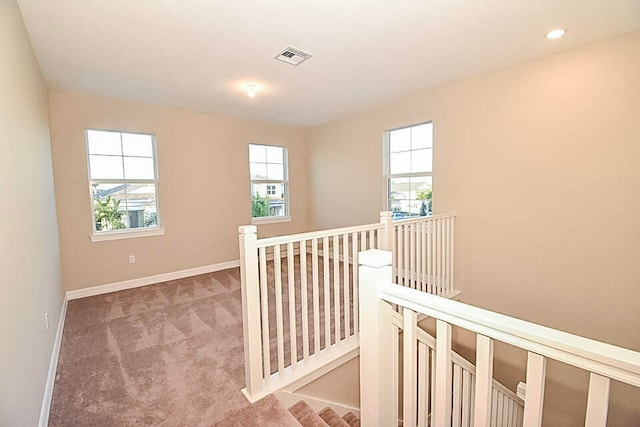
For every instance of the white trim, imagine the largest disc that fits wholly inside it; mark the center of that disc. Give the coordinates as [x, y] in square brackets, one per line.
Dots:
[126, 234]
[149, 280]
[269, 219]
[53, 366]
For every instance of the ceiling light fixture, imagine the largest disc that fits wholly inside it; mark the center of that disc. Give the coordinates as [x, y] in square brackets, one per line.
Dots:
[251, 90]
[555, 34]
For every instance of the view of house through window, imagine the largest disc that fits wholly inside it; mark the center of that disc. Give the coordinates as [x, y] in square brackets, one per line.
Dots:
[269, 181]
[123, 178]
[409, 165]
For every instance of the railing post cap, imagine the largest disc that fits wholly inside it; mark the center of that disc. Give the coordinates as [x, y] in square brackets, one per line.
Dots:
[375, 258]
[247, 229]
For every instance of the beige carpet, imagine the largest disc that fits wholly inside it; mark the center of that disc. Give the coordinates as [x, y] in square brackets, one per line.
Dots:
[168, 355]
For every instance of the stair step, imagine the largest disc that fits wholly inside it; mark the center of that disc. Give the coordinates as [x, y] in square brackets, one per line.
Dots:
[306, 416]
[332, 418]
[351, 419]
[267, 412]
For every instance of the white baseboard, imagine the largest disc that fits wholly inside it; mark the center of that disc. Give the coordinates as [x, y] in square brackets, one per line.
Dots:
[105, 289]
[53, 366]
[149, 280]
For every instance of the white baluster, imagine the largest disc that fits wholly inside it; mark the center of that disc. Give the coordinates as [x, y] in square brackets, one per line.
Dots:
[536, 370]
[442, 410]
[293, 333]
[423, 385]
[277, 268]
[466, 399]
[598, 401]
[326, 253]
[345, 286]
[264, 310]
[304, 300]
[456, 414]
[409, 353]
[336, 287]
[356, 300]
[316, 296]
[484, 381]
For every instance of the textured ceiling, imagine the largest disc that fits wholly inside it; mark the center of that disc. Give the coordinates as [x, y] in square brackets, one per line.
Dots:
[197, 54]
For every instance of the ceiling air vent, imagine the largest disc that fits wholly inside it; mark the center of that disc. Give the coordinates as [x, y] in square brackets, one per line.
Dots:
[293, 56]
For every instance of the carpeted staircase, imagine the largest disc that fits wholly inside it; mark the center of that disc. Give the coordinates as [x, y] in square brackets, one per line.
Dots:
[326, 417]
[269, 412]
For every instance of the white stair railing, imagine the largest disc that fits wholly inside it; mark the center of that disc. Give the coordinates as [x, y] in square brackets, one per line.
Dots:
[299, 292]
[423, 253]
[507, 408]
[299, 302]
[379, 334]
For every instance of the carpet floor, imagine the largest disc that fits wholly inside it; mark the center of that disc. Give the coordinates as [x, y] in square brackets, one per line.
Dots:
[169, 354]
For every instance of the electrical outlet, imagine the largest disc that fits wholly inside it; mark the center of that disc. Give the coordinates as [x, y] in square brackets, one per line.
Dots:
[132, 259]
[46, 321]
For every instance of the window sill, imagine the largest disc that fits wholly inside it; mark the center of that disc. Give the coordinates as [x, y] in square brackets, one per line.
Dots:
[270, 220]
[126, 234]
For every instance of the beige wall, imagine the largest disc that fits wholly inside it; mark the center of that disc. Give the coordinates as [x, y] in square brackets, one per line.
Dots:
[29, 260]
[541, 162]
[203, 191]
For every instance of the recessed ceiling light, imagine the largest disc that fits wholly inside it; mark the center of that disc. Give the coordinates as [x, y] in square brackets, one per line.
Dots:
[555, 34]
[251, 90]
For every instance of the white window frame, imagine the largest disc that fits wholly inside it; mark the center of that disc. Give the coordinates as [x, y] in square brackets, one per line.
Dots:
[130, 233]
[284, 181]
[386, 160]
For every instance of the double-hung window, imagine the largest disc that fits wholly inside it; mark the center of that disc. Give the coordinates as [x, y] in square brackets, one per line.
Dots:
[408, 168]
[123, 177]
[269, 183]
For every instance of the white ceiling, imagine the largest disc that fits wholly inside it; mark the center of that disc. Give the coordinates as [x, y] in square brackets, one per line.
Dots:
[197, 54]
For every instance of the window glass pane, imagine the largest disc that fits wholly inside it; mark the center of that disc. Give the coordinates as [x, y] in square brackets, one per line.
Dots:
[137, 145]
[141, 209]
[259, 190]
[138, 168]
[101, 142]
[257, 153]
[274, 154]
[268, 163]
[264, 204]
[400, 140]
[275, 172]
[400, 162]
[410, 196]
[258, 170]
[109, 206]
[122, 204]
[422, 136]
[421, 160]
[105, 167]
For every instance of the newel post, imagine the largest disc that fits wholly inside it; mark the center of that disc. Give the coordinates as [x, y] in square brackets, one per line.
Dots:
[376, 341]
[250, 310]
[386, 241]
